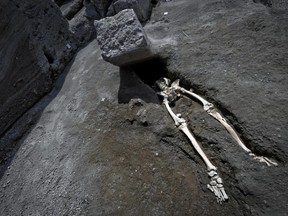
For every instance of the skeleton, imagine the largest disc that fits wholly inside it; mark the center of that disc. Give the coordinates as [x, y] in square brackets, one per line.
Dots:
[170, 93]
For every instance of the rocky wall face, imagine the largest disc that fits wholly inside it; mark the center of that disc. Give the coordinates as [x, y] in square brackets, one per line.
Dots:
[35, 47]
[142, 8]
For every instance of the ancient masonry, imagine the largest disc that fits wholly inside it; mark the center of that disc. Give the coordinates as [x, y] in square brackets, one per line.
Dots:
[122, 39]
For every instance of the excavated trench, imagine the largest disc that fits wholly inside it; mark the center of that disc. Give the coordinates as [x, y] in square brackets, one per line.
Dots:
[152, 70]
[149, 72]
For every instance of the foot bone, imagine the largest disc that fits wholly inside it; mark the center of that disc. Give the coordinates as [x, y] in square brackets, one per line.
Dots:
[216, 183]
[216, 186]
[263, 159]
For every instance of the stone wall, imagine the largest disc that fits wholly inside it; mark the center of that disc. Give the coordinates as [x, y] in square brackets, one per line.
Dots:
[35, 47]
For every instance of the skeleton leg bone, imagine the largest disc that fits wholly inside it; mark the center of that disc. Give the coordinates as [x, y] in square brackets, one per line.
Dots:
[216, 183]
[176, 118]
[183, 127]
[210, 109]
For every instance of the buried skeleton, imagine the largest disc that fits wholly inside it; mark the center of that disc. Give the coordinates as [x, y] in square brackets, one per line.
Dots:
[129, 53]
[170, 92]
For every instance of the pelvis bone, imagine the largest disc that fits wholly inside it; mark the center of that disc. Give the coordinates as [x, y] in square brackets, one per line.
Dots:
[170, 92]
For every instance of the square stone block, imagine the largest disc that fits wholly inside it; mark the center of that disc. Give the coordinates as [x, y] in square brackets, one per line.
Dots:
[122, 39]
[142, 8]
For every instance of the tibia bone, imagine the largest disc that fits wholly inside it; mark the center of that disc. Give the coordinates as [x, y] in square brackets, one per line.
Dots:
[228, 127]
[183, 127]
[209, 108]
[181, 124]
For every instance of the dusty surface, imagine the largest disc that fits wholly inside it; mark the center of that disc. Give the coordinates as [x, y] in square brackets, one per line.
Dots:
[237, 54]
[81, 158]
[86, 154]
[33, 50]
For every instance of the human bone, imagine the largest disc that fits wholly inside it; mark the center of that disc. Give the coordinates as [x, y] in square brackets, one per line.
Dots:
[216, 183]
[170, 92]
[210, 109]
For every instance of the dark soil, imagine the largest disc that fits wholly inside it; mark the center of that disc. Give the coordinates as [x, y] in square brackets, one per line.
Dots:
[90, 147]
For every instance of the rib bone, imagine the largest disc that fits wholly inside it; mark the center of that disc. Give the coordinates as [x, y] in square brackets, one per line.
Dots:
[216, 184]
[210, 109]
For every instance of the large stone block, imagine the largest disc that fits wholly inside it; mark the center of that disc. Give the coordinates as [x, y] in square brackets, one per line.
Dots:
[101, 6]
[82, 27]
[122, 39]
[142, 8]
[90, 11]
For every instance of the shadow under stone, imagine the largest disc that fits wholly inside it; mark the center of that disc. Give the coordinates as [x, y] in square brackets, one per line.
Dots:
[137, 81]
[131, 87]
